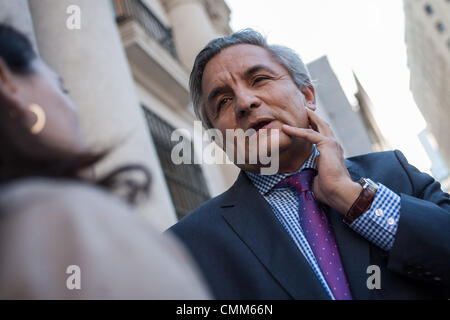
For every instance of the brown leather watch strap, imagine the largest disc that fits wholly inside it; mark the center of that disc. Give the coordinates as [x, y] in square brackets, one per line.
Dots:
[361, 205]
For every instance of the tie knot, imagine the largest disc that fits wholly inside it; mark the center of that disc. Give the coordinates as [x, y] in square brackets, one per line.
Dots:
[300, 182]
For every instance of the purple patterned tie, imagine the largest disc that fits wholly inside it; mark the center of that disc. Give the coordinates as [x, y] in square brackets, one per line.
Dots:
[318, 232]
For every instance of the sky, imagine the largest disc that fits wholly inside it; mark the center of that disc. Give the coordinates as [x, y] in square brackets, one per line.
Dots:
[364, 36]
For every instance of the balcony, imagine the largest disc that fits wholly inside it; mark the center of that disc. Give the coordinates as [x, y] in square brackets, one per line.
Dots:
[151, 54]
[139, 12]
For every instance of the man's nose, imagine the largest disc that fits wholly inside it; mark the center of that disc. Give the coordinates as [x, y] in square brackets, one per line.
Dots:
[245, 102]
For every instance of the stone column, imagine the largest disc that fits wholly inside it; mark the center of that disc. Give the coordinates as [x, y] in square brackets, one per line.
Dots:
[93, 64]
[17, 14]
[191, 26]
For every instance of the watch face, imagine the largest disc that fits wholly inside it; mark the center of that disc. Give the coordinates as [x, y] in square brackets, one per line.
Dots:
[367, 183]
[363, 182]
[372, 185]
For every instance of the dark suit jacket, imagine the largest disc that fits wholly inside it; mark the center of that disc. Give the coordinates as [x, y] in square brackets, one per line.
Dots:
[245, 253]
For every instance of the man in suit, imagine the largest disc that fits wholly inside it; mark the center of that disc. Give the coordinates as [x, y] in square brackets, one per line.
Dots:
[322, 227]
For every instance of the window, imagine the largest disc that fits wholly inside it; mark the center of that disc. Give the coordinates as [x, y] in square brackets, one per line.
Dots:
[429, 9]
[440, 26]
[186, 183]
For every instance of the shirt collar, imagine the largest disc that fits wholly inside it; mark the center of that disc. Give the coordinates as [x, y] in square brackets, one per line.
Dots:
[264, 183]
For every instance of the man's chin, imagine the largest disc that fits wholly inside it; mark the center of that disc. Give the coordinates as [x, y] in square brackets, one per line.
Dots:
[286, 143]
[259, 159]
[257, 168]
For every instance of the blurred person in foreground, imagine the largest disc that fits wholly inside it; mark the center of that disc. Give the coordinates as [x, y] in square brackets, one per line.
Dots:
[322, 227]
[54, 214]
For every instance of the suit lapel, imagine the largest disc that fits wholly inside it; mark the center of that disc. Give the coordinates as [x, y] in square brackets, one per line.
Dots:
[252, 219]
[353, 248]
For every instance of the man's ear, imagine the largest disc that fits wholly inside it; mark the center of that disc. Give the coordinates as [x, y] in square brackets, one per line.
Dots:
[310, 94]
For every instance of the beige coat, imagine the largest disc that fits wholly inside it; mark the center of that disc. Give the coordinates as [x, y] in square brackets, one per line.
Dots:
[48, 225]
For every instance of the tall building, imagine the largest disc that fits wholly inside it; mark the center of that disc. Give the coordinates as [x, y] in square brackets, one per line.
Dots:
[354, 128]
[438, 168]
[427, 28]
[365, 109]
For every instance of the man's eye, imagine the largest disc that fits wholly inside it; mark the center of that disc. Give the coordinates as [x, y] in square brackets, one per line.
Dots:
[222, 102]
[259, 79]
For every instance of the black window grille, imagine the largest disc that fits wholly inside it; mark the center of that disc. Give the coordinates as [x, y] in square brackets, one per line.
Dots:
[186, 182]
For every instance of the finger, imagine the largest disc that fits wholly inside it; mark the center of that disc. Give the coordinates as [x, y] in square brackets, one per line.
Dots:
[308, 134]
[321, 125]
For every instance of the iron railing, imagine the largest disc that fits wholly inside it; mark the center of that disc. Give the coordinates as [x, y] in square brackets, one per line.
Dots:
[186, 182]
[139, 12]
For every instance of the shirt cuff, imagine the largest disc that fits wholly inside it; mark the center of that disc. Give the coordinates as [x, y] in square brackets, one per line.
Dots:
[379, 223]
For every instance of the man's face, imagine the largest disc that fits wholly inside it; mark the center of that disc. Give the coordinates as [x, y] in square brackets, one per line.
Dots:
[245, 87]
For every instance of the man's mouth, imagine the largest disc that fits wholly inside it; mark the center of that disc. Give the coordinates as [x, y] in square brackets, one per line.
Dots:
[261, 124]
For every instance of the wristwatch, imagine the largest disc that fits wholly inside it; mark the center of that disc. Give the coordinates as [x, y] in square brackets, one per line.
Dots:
[364, 201]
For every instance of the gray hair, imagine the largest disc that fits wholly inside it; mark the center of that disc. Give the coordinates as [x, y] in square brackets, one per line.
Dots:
[284, 55]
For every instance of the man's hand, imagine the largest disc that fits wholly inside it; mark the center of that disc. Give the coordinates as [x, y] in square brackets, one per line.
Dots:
[333, 185]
